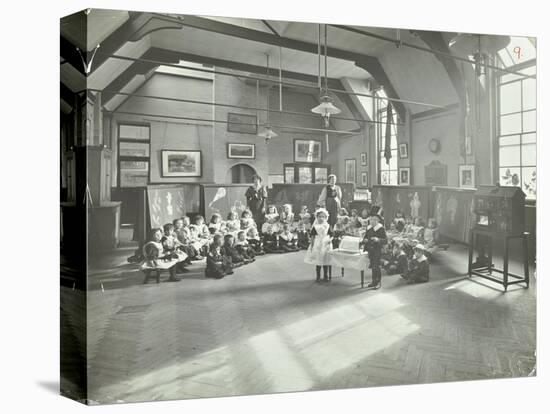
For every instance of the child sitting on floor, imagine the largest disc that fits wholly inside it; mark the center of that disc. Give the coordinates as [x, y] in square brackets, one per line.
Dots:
[232, 224]
[202, 228]
[305, 217]
[156, 258]
[182, 234]
[302, 235]
[228, 249]
[247, 221]
[271, 241]
[287, 240]
[398, 262]
[255, 241]
[417, 229]
[286, 216]
[217, 265]
[271, 220]
[419, 268]
[431, 235]
[198, 243]
[243, 247]
[216, 224]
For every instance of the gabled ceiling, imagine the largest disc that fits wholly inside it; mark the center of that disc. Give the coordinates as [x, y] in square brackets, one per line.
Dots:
[238, 43]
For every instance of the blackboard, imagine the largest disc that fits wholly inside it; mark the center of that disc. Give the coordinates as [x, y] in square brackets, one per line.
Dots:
[304, 195]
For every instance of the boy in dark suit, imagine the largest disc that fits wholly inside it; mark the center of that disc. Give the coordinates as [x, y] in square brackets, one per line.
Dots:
[374, 239]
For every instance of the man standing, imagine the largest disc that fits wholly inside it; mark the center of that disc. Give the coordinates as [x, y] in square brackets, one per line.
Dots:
[256, 196]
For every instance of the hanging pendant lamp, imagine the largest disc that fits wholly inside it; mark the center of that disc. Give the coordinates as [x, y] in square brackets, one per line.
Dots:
[267, 132]
[326, 108]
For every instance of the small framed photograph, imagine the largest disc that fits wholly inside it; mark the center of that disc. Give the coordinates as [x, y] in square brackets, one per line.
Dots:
[242, 123]
[247, 151]
[404, 176]
[466, 176]
[403, 150]
[364, 179]
[177, 163]
[363, 159]
[307, 150]
[351, 174]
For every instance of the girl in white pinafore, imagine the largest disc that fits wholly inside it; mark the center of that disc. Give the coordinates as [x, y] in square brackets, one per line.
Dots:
[320, 245]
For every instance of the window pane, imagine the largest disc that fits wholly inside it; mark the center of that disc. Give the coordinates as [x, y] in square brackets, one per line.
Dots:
[393, 177]
[510, 124]
[529, 94]
[385, 178]
[510, 176]
[134, 132]
[134, 149]
[393, 160]
[304, 175]
[509, 140]
[509, 156]
[134, 165]
[529, 181]
[528, 155]
[134, 173]
[529, 138]
[529, 121]
[510, 98]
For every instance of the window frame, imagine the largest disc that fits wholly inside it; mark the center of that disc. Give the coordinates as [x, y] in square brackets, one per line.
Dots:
[521, 134]
[381, 114]
[123, 158]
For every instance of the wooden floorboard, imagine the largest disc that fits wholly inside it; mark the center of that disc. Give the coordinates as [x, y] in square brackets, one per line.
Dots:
[270, 328]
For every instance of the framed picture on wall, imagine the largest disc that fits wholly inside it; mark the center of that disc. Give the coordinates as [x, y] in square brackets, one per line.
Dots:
[307, 150]
[180, 163]
[404, 176]
[363, 159]
[364, 179]
[403, 150]
[350, 171]
[466, 176]
[242, 123]
[247, 151]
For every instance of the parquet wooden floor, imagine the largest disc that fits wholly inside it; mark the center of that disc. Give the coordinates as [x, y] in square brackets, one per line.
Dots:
[270, 328]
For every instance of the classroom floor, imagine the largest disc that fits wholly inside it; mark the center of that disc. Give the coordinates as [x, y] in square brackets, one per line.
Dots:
[270, 328]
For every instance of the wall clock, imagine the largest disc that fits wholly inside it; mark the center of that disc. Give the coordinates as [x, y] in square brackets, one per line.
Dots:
[434, 145]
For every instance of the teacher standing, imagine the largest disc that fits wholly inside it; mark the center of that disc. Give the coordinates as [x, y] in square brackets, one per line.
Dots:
[331, 199]
[256, 196]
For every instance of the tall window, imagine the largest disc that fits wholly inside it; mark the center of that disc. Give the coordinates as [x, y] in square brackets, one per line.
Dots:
[517, 115]
[133, 154]
[387, 171]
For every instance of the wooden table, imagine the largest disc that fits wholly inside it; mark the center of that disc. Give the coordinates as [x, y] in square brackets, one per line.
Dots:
[486, 272]
[347, 259]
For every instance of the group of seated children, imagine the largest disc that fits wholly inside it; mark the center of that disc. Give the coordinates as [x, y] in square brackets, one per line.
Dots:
[226, 244]
[410, 245]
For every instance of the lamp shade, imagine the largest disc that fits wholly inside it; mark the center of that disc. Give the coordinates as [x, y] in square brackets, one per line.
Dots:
[267, 133]
[470, 44]
[326, 107]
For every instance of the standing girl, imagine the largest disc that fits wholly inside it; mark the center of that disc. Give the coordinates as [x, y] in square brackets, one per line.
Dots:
[331, 199]
[320, 245]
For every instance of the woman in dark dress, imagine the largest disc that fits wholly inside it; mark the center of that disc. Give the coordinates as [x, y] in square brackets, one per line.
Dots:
[256, 196]
[330, 198]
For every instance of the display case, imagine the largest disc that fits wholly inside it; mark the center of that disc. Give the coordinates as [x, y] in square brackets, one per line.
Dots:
[500, 209]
